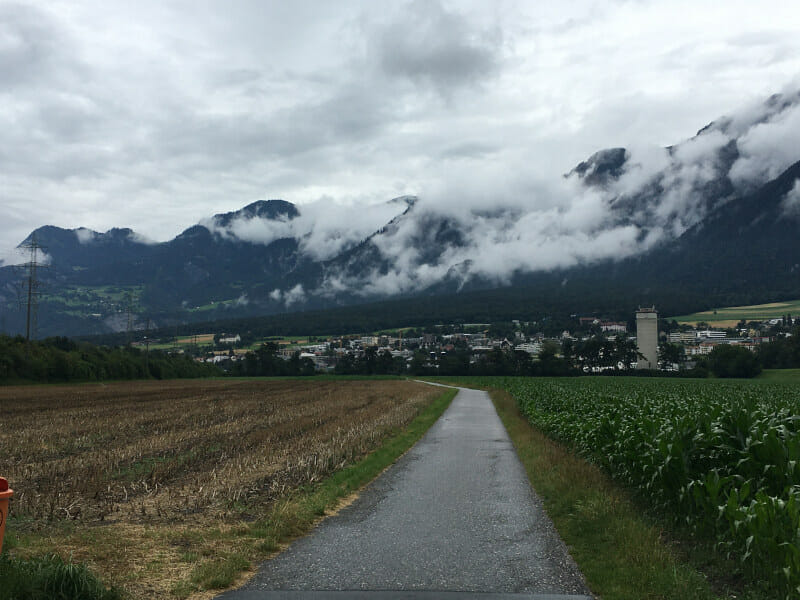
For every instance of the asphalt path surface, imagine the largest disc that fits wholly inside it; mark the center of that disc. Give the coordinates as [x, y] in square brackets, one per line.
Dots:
[455, 517]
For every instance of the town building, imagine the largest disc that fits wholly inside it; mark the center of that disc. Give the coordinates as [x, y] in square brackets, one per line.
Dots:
[613, 327]
[682, 337]
[532, 348]
[711, 334]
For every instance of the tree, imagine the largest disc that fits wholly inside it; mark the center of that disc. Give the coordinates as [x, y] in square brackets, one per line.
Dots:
[369, 361]
[502, 330]
[728, 360]
[385, 364]
[671, 354]
[625, 352]
[567, 350]
[455, 363]
[345, 365]
[595, 352]
[669, 326]
[549, 363]
[494, 362]
[521, 363]
[419, 364]
[783, 353]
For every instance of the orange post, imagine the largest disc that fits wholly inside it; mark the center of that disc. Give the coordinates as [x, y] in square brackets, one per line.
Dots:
[5, 494]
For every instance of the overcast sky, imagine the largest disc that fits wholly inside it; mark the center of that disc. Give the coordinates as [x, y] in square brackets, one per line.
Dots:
[155, 115]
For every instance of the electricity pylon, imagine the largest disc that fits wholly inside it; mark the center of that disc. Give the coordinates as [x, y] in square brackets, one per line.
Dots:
[31, 285]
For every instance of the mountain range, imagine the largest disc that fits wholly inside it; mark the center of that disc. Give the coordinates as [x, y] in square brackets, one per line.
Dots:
[711, 220]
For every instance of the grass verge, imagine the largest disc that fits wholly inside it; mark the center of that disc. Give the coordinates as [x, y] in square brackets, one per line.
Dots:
[780, 375]
[49, 578]
[621, 553]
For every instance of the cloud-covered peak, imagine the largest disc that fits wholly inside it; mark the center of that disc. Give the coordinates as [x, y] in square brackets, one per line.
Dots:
[85, 236]
[404, 200]
[323, 228]
[601, 166]
[278, 210]
[150, 113]
[115, 235]
[618, 203]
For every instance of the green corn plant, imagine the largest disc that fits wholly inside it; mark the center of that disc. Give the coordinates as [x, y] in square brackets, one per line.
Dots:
[722, 457]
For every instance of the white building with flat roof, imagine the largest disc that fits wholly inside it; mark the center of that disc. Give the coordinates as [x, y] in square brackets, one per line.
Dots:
[710, 334]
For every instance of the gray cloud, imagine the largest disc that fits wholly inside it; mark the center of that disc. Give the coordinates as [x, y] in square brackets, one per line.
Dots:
[468, 150]
[429, 45]
[155, 115]
[30, 46]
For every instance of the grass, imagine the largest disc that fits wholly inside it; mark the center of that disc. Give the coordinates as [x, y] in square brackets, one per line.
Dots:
[620, 551]
[93, 295]
[207, 339]
[50, 578]
[780, 375]
[318, 378]
[731, 315]
[218, 574]
[200, 338]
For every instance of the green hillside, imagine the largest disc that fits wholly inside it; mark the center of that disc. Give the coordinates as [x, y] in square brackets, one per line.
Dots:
[731, 315]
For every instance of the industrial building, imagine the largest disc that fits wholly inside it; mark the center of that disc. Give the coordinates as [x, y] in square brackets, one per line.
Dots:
[647, 338]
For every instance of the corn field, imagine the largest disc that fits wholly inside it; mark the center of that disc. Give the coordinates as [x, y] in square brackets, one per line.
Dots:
[724, 457]
[167, 452]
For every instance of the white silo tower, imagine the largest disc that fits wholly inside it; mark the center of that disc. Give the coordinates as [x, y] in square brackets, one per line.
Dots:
[647, 337]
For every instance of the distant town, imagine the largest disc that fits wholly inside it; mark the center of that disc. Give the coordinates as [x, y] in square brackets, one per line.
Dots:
[592, 343]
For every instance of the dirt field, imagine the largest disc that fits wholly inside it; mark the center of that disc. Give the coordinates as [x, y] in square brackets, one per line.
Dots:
[203, 338]
[137, 465]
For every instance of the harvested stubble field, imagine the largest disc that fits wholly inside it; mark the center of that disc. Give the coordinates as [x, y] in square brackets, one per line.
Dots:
[146, 480]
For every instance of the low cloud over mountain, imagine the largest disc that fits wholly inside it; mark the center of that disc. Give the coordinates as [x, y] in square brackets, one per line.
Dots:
[484, 224]
[323, 229]
[494, 222]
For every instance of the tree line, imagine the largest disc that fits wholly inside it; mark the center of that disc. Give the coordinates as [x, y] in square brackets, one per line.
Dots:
[783, 353]
[728, 360]
[60, 359]
[596, 354]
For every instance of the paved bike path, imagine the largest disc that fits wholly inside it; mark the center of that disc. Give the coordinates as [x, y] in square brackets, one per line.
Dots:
[455, 514]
